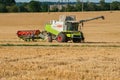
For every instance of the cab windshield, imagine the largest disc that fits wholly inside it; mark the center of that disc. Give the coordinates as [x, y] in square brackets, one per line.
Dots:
[72, 26]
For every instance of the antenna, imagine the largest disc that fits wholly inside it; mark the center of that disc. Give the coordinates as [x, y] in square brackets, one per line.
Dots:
[111, 6]
[82, 6]
[59, 5]
[48, 6]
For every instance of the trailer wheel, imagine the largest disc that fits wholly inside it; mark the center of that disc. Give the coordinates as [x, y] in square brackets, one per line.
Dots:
[61, 38]
[49, 37]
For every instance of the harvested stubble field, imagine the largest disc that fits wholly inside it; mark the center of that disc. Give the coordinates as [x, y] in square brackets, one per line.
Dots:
[59, 63]
[96, 59]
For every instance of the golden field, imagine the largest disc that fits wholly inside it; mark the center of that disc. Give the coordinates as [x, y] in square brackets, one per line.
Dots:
[59, 63]
[107, 30]
[96, 59]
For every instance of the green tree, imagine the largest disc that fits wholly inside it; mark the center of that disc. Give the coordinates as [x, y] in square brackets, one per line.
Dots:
[103, 5]
[8, 2]
[78, 5]
[34, 6]
[13, 8]
[70, 8]
[3, 8]
[63, 9]
[90, 6]
[8, 5]
[23, 7]
[54, 9]
[115, 5]
[44, 7]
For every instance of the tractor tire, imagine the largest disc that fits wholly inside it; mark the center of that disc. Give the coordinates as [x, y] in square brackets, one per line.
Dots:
[61, 38]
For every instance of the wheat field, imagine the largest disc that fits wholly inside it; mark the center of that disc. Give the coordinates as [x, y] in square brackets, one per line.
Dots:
[96, 59]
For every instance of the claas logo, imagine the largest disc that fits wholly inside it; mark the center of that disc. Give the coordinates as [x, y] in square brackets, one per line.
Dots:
[59, 26]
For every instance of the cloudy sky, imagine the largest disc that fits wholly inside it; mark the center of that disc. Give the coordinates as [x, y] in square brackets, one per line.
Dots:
[64, 0]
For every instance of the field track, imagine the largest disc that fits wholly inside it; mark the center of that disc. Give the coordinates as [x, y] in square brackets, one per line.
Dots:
[86, 44]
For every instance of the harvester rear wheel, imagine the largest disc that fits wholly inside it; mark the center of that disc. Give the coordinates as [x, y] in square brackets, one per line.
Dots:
[76, 40]
[61, 38]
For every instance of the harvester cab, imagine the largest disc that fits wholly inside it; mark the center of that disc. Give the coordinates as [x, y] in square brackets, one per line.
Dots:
[65, 23]
[71, 24]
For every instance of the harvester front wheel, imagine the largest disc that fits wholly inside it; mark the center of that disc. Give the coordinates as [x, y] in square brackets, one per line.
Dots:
[61, 38]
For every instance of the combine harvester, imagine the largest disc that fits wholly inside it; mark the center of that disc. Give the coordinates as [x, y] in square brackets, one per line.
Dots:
[63, 30]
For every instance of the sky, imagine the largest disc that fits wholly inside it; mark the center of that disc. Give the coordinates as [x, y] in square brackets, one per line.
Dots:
[64, 0]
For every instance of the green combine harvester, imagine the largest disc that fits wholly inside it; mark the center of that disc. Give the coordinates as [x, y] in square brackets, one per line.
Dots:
[64, 30]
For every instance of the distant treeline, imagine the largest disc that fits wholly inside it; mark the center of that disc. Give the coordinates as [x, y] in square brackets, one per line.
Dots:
[36, 6]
